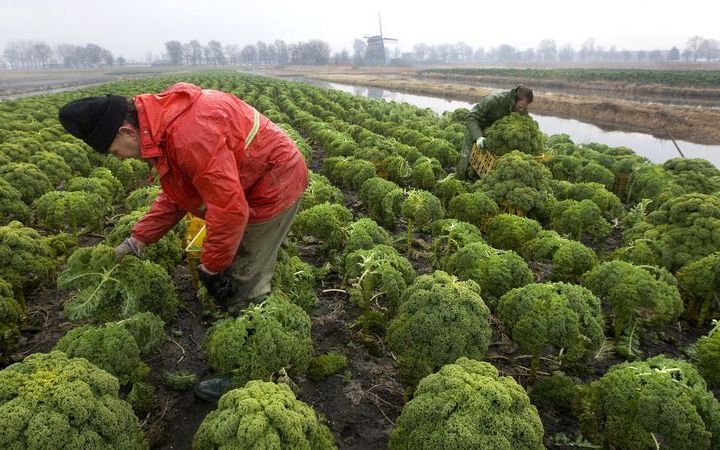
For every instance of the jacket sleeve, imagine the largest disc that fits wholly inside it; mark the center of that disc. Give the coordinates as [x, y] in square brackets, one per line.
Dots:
[478, 118]
[163, 215]
[227, 210]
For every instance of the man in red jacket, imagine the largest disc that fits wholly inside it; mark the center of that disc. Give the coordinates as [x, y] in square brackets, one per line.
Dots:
[217, 158]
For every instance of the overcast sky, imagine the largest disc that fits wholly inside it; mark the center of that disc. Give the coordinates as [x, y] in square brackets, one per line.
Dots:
[130, 28]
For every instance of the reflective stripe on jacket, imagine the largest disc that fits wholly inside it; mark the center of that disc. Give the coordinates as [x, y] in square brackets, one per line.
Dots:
[196, 140]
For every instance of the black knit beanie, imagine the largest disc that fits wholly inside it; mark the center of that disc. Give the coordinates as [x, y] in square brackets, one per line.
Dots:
[95, 120]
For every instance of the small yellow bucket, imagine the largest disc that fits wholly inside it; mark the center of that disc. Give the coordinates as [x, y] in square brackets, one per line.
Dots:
[193, 240]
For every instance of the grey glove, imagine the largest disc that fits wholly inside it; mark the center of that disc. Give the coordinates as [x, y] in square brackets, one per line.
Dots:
[480, 142]
[129, 245]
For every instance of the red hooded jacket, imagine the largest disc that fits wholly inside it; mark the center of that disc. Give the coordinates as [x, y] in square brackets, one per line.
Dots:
[196, 140]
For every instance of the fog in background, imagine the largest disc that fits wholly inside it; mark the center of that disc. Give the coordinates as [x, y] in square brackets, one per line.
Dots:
[132, 28]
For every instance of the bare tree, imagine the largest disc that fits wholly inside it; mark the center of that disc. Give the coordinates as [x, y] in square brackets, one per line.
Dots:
[587, 51]
[272, 52]
[233, 53]
[283, 53]
[547, 50]
[465, 52]
[708, 50]
[262, 52]
[218, 55]
[249, 54]
[196, 52]
[175, 52]
[359, 49]
[420, 51]
[692, 45]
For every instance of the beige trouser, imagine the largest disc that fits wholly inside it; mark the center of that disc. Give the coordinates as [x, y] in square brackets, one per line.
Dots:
[254, 264]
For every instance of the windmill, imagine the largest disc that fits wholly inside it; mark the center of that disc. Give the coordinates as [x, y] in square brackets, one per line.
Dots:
[375, 53]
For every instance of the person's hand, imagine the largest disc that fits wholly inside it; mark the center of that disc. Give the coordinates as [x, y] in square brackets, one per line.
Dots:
[129, 245]
[480, 142]
[220, 286]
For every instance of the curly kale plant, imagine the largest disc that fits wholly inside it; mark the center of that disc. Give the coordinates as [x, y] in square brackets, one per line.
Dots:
[325, 222]
[609, 203]
[73, 211]
[262, 415]
[706, 356]
[348, 172]
[365, 233]
[378, 277]
[26, 257]
[699, 285]
[11, 316]
[475, 208]
[514, 132]
[650, 181]
[449, 236]
[167, 252]
[266, 338]
[394, 168]
[297, 280]
[495, 271]
[420, 209]
[694, 174]
[571, 260]
[579, 219]
[562, 316]
[325, 365]
[53, 166]
[517, 181]
[11, 205]
[114, 347]
[439, 320]
[592, 172]
[132, 173]
[141, 198]
[449, 187]
[511, 232]
[656, 403]
[685, 228]
[467, 405]
[373, 194]
[319, 191]
[425, 172]
[74, 155]
[640, 297]
[27, 179]
[50, 401]
[106, 290]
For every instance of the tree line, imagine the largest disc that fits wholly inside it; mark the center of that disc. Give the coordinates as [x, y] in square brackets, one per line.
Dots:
[37, 55]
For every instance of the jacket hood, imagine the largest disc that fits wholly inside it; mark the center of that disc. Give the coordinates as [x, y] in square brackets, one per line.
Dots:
[157, 111]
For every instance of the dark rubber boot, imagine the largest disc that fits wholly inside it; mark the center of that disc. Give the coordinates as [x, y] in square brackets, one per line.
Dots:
[211, 390]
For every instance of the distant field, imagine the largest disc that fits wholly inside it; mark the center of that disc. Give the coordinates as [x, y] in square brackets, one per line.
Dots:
[686, 78]
[20, 82]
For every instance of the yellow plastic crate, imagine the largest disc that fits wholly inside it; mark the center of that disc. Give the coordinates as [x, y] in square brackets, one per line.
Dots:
[506, 208]
[621, 185]
[193, 240]
[481, 160]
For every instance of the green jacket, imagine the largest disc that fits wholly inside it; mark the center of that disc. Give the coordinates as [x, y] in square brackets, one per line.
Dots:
[491, 108]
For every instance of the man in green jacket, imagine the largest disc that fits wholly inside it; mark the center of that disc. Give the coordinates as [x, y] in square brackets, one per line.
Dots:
[491, 108]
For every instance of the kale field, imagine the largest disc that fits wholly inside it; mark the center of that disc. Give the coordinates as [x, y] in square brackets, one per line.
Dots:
[565, 299]
[694, 78]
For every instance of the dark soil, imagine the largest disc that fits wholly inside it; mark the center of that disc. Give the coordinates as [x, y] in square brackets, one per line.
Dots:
[362, 402]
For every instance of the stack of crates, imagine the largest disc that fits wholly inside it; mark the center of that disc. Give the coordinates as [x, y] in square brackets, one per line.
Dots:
[192, 241]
